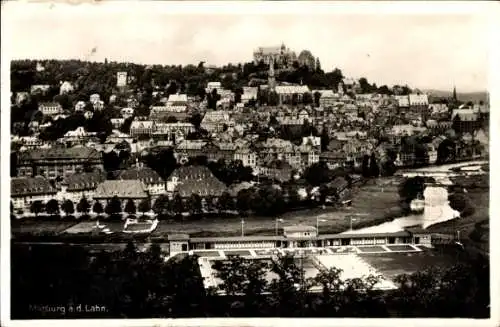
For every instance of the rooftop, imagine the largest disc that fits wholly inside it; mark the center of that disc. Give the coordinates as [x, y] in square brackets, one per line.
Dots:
[177, 98]
[198, 180]
[121, 188]
[144, 174]
[21, 186]
[299, 228]
[57, 153]
[84, 181]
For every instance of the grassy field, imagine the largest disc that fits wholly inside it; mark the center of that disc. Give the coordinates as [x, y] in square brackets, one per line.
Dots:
[373, 203]
[34, 226]
[393, 264]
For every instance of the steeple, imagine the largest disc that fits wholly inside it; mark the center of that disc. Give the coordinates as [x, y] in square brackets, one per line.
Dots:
[271, 78]
[454, 93]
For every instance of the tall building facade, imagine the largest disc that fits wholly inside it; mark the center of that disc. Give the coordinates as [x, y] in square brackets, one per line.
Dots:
[282, 56]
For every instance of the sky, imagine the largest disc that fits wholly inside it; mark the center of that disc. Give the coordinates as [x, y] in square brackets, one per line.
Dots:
[427, 51]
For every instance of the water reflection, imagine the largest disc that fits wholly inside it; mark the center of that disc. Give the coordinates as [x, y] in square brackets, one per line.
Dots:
[437, 209]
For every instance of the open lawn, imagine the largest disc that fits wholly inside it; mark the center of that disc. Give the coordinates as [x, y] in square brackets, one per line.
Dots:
[393, 264]
[90, 226]
[35, 226]
[372, 204]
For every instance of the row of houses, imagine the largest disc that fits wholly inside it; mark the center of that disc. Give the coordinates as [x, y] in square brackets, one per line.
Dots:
[134, 184]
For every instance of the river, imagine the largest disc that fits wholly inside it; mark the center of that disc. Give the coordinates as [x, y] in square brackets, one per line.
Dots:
[436, 205]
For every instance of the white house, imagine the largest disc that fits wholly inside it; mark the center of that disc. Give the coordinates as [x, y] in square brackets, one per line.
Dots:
[26, 190]
[418, 100]
[80, 106]
[247, 157]
[127, 112]
[50, 108]
[66, 87]
[94, 98]
[213, 85]
[144, 127]
[300, 235]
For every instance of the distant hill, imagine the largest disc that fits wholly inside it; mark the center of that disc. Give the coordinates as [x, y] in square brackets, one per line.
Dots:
[464, 96]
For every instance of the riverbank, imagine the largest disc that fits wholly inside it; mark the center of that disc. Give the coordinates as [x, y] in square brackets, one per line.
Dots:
[474, 228]
[373, 203]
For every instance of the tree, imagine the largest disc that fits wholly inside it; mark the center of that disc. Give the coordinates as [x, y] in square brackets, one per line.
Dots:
[114, 206]
[325, 139]
[317, 173]
[163, 162]
[293, 196]
[384, 89]
[445, 151]
[318, 65]
[160, 205]
[209, 203]
[225, 202]
[125, 127]
[307, 98]
[83, 206]
[68, 207]
[243, 200]
[421, 155]
[52, 207]
[144, 206]
[374, 169]
[37, 207]
[194, 204]
[317, 96]
[97, 208]
[130, 207]
[268, 201]
[331, 295]
[461, 203]
[196, 119]
[364, 85]
[171, 119]
[410, 188]
[365, 168]
[286, 298]
[177, 204]
[388, 168]
[244, 277]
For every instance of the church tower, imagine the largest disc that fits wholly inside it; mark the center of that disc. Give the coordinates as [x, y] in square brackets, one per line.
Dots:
[271, 78]
[454, 93]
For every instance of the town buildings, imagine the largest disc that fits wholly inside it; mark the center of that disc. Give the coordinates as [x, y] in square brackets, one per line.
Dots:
[26, 190]
[217, 121]
[80, 185]
[188, 180]
[154, 184]
[58, 161]
[291, 94]
[123, 190]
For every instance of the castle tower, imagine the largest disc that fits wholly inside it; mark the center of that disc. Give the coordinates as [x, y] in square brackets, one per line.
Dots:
[271, 78]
